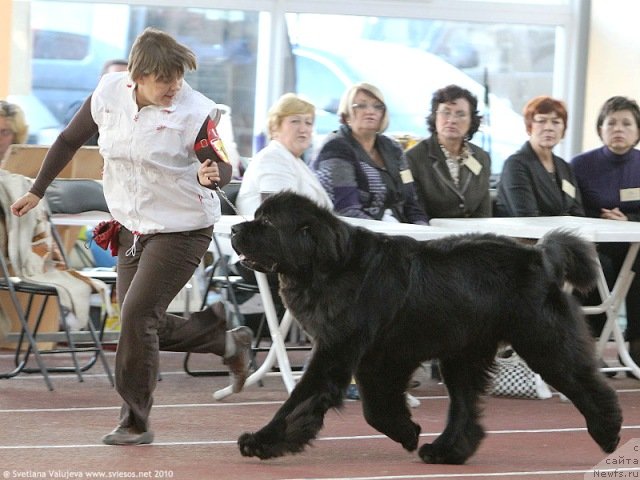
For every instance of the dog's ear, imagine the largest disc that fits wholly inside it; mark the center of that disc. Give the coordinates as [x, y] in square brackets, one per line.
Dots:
[331, 243]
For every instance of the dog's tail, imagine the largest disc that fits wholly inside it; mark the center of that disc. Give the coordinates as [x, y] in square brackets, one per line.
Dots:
[571, 259]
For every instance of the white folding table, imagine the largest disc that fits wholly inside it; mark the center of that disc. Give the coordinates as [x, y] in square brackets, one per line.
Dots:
[90, 218]
[592, 229]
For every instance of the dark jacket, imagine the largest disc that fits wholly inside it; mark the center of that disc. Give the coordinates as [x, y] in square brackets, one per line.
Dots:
[526, 189]
[438, 194]
[358, 187]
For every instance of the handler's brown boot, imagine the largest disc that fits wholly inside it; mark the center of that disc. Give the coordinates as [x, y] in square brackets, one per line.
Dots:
[239, 362]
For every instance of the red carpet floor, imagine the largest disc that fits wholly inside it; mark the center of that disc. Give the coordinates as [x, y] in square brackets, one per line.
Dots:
[57, 434]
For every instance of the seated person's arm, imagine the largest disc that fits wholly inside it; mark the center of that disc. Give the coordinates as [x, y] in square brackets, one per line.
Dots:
[633, 217]
[338, 176]
[412, 210]
[484, 207]
[518, 190]
[577, 209]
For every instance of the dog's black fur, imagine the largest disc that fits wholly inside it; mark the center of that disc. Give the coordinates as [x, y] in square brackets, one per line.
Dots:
[377, 306]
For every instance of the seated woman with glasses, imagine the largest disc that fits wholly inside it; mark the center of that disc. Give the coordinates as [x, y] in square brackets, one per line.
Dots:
[451, 174]
[13, 127]
[365, 172]
[534, 181]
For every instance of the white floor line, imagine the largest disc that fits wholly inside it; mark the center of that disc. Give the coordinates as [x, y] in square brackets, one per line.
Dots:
[320, 439]
[176, 405]
[208, 405]
[481, 475]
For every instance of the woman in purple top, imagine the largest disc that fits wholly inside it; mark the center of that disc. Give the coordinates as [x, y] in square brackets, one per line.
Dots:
[609, 181]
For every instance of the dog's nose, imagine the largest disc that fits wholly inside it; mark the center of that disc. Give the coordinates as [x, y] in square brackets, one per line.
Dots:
[234, 229]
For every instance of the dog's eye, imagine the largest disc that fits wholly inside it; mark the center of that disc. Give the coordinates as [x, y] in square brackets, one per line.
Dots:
[266, 222]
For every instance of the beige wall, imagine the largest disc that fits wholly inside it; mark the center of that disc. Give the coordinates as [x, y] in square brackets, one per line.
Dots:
[5, 45]
[614, 59]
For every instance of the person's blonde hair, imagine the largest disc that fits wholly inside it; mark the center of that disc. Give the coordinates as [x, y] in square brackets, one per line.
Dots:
[16, 119]
[345, 109]
[157, 53]
[287, 105]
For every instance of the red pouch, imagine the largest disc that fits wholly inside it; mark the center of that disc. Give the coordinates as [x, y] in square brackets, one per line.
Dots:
[105, 234]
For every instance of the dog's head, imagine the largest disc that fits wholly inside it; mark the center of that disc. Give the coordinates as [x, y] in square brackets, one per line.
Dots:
[290, 234]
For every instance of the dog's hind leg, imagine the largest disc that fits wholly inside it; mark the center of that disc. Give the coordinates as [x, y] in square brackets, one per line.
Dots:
[382, 383]
[466, 380]
[558, 345]
[301, 417]
[575, 375]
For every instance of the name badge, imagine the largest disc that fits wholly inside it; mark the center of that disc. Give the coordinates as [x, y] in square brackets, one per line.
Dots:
[629, 194]
[406, 176]
[472, 164]
[568, 188]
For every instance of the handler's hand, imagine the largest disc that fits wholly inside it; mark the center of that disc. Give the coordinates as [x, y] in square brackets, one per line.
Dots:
[24, 204]
[208, 173]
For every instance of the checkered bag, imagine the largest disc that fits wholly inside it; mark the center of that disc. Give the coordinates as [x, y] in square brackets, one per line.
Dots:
[513, 378]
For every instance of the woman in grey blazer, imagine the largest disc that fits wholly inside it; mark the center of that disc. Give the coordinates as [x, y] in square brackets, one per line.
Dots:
[452, 175]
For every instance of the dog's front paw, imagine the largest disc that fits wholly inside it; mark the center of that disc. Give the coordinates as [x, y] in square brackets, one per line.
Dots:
[251, 446]
[410, 443]
[434, 453]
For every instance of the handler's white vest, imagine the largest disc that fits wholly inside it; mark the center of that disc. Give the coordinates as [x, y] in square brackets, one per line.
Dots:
[150, 168]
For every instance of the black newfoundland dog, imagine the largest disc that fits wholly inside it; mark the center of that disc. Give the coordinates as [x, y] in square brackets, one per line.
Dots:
[377, 306]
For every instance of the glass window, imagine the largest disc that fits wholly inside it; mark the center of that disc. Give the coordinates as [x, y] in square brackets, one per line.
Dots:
[504, 65]
[504, 56]
[60, 45]
[68, 56]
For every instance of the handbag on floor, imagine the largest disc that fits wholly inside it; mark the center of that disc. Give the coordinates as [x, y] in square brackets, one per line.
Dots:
[514, 378]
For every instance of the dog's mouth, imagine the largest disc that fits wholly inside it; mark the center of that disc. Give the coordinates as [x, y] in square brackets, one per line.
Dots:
[256, 265]
[248, 239]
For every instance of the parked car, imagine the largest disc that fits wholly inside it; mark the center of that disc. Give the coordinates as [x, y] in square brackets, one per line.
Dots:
[63, 80]
[407, 77]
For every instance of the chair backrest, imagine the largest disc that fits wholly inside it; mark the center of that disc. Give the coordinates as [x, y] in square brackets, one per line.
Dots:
[231, 191]
[75, 195]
